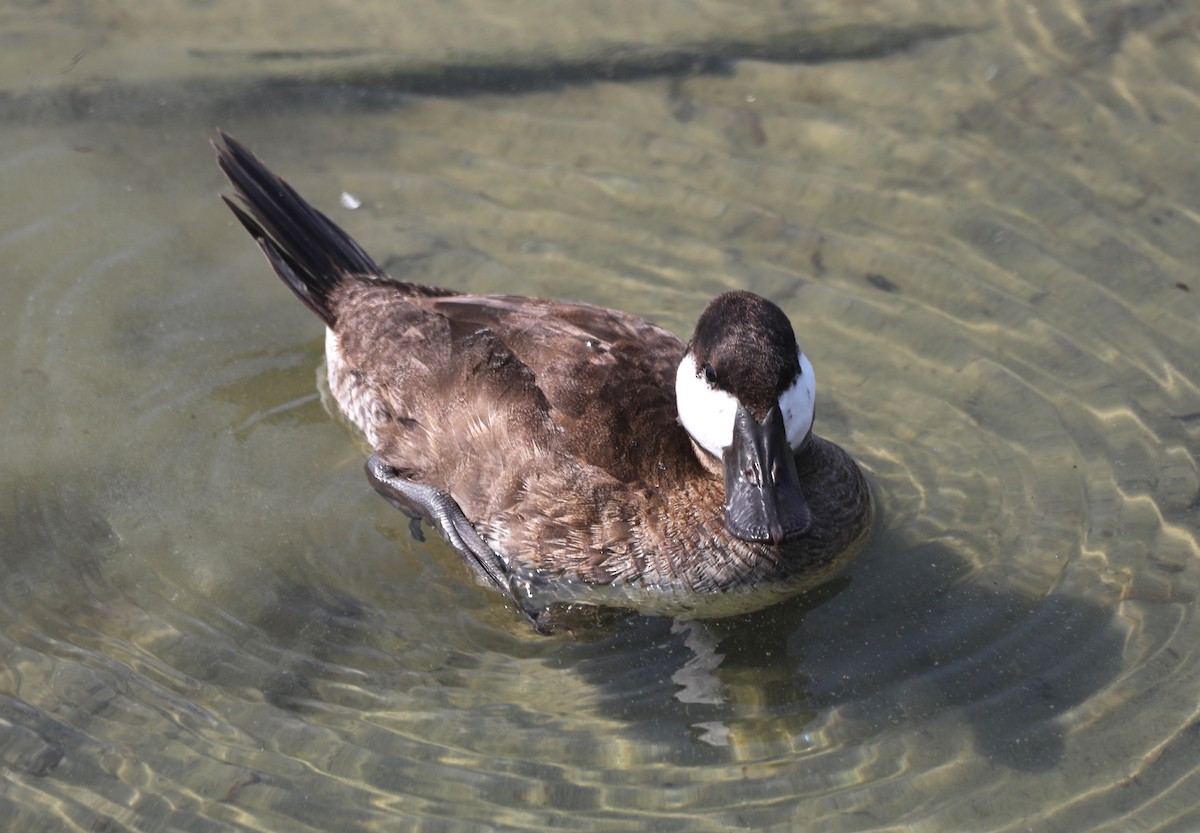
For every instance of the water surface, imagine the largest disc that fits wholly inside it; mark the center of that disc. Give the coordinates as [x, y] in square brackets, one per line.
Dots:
[985, 233]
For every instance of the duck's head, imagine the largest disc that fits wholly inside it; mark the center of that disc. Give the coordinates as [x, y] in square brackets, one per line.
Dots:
[745, 393]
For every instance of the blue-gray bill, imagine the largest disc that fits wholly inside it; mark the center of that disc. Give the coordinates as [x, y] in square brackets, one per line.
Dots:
[763, 499]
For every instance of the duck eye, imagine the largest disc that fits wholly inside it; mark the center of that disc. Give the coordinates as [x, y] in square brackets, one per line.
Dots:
[710, 374]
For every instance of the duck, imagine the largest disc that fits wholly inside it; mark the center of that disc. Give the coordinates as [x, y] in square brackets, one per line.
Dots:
[570, 453]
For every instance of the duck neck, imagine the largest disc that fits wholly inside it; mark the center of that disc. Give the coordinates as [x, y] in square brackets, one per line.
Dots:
[708, 462]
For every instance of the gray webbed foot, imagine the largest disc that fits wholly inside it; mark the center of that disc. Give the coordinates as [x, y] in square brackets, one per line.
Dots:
[439, 509]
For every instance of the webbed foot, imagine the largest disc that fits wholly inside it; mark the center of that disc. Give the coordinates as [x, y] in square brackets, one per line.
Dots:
[439, 508]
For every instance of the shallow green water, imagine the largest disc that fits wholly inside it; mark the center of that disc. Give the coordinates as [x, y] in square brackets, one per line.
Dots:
[987, 241]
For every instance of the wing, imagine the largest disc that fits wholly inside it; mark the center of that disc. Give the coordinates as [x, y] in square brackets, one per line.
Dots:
[608, 377]
[549, 424]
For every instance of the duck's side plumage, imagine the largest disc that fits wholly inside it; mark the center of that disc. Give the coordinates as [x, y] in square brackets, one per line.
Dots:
[550, 426]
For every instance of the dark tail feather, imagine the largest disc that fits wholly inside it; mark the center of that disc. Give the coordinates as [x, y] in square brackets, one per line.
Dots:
[307, 249]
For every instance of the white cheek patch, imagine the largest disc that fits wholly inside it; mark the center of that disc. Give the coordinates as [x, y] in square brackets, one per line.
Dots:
[706, 413]
[798, 404]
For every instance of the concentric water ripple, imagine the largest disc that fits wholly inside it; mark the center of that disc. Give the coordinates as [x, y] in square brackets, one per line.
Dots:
[987, 243]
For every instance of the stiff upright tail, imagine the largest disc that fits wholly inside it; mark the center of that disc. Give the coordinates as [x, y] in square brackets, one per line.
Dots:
[307, 250]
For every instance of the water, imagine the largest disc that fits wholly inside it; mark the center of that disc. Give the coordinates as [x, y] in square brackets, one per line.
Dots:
[986, 240]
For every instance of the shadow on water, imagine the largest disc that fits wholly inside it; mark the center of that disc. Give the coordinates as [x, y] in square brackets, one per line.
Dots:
[1005, 665]
[37, 538]
[281, 80]
[924, 659]
[940, 650]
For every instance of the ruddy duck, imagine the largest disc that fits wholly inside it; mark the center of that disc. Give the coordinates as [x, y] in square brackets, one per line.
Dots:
[572, 452]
